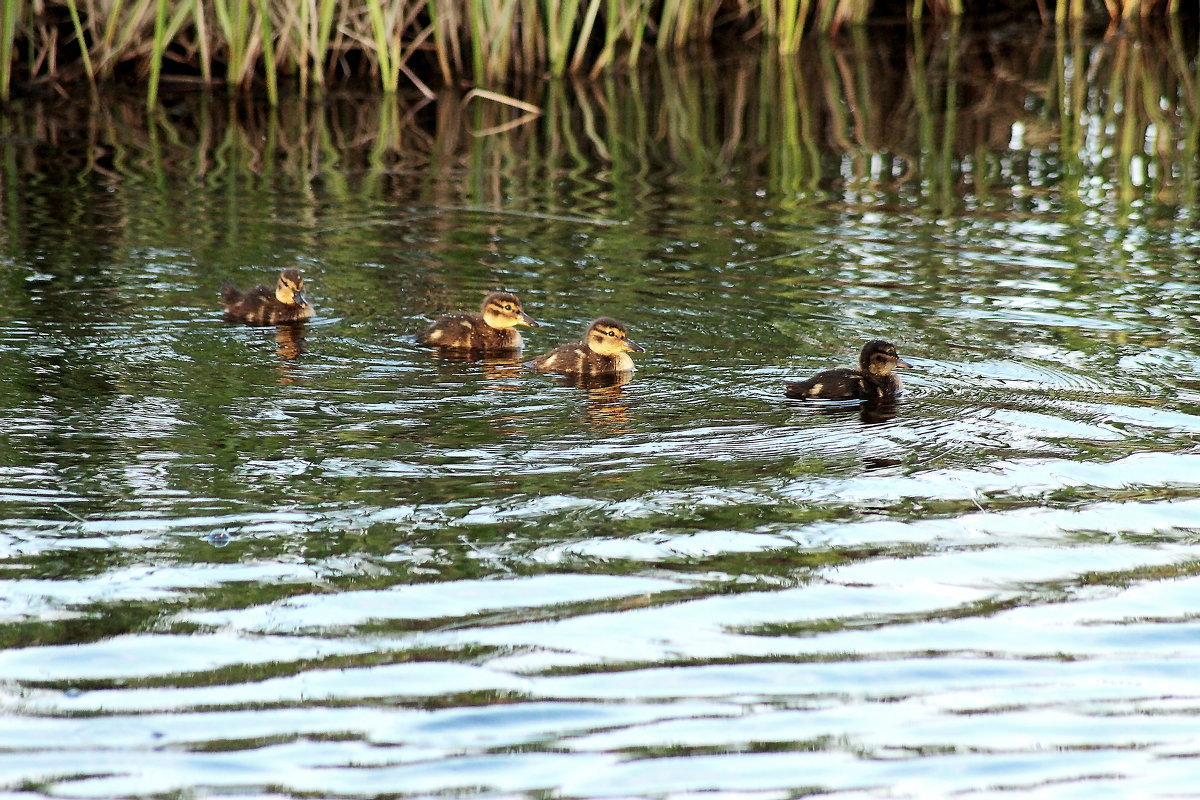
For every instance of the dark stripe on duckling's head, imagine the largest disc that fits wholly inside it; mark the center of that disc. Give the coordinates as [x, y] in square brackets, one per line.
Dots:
[290, 288]
[607, 337]
[503, 310]
[879, 357]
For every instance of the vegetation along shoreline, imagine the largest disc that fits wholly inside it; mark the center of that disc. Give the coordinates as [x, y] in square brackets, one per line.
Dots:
[257, 44]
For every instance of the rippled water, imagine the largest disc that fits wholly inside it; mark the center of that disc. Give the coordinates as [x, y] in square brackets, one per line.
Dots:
[326, 561]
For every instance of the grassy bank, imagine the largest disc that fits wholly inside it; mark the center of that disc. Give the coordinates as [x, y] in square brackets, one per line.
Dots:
[420, 43]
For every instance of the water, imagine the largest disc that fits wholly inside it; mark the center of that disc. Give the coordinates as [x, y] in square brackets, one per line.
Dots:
[326, 561]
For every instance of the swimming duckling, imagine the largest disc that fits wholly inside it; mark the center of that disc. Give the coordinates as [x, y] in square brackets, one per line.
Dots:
[492, 330]
[603, 351]
[264, 306]
[872, 380]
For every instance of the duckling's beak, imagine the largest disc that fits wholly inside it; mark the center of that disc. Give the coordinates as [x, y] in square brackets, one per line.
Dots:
[630, 344]
[299, 298]
[900, 362]
[525, 319]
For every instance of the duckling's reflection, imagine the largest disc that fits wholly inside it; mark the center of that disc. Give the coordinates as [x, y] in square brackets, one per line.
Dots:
[289, 345]
[876, 411]
[870, 412]
[607, 408]
[289, 341]
[500, 371]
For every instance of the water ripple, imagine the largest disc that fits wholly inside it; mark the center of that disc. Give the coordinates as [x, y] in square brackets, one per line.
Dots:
[322, 560]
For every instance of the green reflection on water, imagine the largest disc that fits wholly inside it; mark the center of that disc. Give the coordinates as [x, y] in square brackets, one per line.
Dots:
[1014, 211]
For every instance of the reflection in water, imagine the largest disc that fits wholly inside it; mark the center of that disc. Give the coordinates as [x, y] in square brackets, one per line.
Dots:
[871, 463]
[607, 407]
[869, 411]
[500, 372]
[874, 411]
[390, 581]
[936, 117]
[289, 341]
[289, 346]
[605, 381]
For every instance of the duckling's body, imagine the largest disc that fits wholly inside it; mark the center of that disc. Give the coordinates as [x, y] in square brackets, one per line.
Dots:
[873, 380]
[265, 306]
[604, 350]
[493, 330]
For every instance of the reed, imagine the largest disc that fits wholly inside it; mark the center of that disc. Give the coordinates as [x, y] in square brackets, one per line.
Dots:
[85, 55]
[8, 32]
[160, 46]
[387, 49]
[249, 43]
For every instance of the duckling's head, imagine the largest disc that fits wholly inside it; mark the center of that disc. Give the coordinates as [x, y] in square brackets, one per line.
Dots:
[503, 310]
[879, 357]
[607, 337]
[290, 288]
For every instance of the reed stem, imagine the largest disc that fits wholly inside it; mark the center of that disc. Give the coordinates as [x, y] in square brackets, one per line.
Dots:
[83, 45]
[268, 49]
[160, 47]
[8, 31]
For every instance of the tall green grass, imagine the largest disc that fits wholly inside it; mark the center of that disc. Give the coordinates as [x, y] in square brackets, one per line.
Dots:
[9, 13]
[252, 44]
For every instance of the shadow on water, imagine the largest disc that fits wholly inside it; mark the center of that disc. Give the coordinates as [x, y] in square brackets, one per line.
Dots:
[322, 560]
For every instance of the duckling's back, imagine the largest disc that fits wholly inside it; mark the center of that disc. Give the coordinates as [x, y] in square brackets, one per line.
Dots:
[844, 384]
[833, 384]
[258, 306]
[579, 359]
[262, 305]
[469, 332]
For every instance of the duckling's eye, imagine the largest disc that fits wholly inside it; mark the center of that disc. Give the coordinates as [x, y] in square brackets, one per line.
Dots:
[508, 308]
[612, 333]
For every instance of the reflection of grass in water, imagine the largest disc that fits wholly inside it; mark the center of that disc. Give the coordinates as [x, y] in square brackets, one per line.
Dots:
[954, 120]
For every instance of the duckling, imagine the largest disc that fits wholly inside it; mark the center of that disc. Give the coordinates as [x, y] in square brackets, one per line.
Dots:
[262, 306]
[603, 351]
[872, 380]
[492, 330]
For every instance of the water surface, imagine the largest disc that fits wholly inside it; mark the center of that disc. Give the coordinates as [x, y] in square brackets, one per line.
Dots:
[326, 561]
